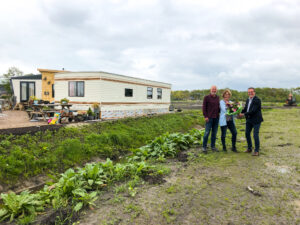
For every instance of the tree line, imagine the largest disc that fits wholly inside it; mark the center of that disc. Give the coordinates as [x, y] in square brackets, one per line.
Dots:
[266, 94]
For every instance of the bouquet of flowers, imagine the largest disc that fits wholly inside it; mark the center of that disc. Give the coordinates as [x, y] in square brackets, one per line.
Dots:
[233, 108]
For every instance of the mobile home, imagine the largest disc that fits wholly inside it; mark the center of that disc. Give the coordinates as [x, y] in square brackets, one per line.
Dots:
[117, 95]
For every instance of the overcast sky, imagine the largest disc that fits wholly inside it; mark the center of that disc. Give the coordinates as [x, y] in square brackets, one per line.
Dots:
[191, 44]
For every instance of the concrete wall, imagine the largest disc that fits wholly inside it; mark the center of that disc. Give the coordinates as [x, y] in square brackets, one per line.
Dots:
[121, 111]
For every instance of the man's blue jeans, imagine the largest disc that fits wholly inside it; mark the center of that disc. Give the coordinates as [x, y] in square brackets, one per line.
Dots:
[212, 125]
[249, 127]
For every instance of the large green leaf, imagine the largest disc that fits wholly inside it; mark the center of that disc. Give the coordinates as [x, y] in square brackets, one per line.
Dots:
[78, 206]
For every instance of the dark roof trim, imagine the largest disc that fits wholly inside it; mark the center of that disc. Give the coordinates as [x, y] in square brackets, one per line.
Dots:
[28, 77]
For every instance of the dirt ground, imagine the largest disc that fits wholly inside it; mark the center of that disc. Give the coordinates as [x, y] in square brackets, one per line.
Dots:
[216, 188]
[18, 119]
[13, 119]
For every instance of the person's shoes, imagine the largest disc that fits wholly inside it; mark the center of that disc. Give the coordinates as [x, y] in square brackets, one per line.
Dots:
[255, 154]
[234, 149]
[214, 149]
[204, 150]
[248, 150]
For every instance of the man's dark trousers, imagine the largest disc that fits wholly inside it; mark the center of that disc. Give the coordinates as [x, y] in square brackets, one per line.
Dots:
[212, 125]
[249, 127]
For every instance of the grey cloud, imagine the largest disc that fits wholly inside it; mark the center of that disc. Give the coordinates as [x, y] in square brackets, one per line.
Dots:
[66, 14]
[190, 47]
[267, 25]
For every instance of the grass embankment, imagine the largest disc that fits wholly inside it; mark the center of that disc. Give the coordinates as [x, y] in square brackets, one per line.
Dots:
[29, 155]
[212, 188]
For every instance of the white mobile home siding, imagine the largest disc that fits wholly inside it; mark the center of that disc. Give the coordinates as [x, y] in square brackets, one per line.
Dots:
[91, 91]
[115, 92]
[109, 91]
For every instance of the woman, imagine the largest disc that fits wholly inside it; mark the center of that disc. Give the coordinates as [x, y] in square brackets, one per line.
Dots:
[227, 121]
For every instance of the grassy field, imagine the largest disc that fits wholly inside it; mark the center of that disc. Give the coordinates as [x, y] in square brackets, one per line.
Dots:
[26, 156]
[213, 188]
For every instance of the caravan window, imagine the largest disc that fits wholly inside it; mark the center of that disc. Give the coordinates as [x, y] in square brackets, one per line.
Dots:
[128, 92]
[149, 92]
[76, 88]
[159, 93]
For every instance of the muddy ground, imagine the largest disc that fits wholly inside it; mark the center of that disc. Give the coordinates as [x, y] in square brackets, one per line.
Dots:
[218, 188]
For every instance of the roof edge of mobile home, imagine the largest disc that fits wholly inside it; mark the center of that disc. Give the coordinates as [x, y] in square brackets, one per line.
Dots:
[124, 76]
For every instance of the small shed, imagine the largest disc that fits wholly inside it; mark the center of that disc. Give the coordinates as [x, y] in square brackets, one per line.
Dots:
[117, 95]
[25, 86]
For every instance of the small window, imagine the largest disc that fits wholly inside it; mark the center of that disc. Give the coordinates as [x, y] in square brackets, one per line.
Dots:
[159, 93]
[53, 94]
[76, 88]
[128, 92]
[149, 92]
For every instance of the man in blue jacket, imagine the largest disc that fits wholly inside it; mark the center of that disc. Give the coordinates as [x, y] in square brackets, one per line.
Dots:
[252, 112]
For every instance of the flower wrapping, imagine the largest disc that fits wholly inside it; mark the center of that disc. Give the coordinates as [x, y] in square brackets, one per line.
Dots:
[233, 108]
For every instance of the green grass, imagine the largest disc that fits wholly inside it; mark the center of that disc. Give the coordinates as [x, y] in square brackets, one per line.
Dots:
[52, 152]
[212, 188]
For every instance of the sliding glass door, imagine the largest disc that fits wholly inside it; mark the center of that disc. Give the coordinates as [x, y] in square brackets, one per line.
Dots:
[27, 89]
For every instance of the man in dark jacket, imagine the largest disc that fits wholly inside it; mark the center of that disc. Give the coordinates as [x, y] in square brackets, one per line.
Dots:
[252, 112]
[211, 110]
